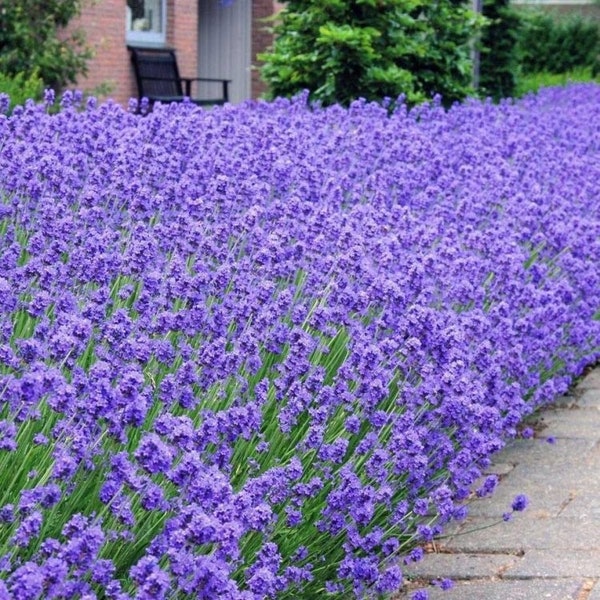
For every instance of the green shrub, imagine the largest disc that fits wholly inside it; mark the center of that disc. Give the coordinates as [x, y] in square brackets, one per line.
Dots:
[558, 46]
[499, 58]
[532, 82]
[341, 50]
[31, 43]
[21, 87]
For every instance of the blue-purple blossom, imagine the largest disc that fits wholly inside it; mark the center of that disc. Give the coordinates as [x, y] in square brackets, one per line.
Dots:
[28, 529]
[153, 454]
[520, 503]
[8, 432]
[49, 96]
[153, 583]
[527, 433]
[488, 486]
[264, 350]
[7, 514]
[27, 582]
[4, 103]
[444, 584]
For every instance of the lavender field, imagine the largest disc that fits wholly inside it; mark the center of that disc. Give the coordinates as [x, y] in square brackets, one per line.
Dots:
[267, 351]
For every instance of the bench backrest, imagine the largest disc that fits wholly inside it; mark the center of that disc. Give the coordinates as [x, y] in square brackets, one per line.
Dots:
[157, 73]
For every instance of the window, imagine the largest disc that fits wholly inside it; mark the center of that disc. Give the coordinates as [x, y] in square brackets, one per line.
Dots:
[146, 22]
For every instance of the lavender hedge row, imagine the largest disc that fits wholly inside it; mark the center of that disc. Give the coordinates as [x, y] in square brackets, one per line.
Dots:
[266, 351]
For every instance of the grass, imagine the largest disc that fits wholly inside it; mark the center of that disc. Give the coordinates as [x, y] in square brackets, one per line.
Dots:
[532, 82]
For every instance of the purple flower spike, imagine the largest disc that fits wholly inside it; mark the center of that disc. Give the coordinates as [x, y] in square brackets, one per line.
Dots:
[153, 454]
[260, 347]
[29, 529]
[4, 103]
[520, 503]
[153, 583]
[27, 582]
[527, 433]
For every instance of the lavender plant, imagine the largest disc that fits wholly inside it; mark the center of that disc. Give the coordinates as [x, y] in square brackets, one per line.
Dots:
[266, 351]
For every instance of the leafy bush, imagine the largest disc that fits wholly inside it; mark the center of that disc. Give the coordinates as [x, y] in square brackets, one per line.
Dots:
[499, 60]
[31, 44]
[265, 351]
[559, 46]
[533, 82]
[341, 51]
[20, 88]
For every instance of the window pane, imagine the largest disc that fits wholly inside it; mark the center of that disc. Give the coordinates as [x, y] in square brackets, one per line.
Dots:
[146, 15]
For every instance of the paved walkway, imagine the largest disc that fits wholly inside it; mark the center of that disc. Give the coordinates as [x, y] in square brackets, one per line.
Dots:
[552, 549]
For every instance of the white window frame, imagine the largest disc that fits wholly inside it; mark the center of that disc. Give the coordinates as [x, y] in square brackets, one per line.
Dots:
[146, 38]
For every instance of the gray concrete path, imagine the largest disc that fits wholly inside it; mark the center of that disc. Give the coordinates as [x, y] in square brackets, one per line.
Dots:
[552, 549]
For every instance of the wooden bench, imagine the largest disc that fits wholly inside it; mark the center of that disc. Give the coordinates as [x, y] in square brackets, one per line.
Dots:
[158, 79]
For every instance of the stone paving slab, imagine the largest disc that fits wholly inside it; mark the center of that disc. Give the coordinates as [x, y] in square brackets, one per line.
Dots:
[595, 591]
[584, 505]
[582, 423]
[573, 477]
[590, 399]
[590, 381]
[552, 550]
[565, 401]
[550, 564]
[487, 535]
[539, 450]
[499, 468]
[460, 566]
[526, 589]
[544, 500]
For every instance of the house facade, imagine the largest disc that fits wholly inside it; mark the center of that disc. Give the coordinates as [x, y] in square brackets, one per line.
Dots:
[212, 38]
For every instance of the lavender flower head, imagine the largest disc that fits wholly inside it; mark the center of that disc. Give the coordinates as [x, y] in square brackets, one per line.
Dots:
[259, 350]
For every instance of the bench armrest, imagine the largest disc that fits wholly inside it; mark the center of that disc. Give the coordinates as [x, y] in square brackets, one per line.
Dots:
[188, 85]
[203, 79]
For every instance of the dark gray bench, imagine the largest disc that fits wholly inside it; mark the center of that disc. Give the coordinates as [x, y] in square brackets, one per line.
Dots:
[158, 79]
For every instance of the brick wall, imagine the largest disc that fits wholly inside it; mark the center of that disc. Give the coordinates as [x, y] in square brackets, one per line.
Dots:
[104, 26]
[182, 34]
[261, 40]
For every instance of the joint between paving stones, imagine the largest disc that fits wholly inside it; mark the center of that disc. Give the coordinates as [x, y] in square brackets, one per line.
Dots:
[566, 503]
[586, 589]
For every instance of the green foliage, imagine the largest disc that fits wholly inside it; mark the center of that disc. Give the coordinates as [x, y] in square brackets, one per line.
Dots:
[20, 88]
[524, 50]
[534, 81]
[342, 50]
[559, 46]
[32, 41]
[499, 58]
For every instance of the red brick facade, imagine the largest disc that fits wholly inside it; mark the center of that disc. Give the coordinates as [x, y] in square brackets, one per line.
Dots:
[261, 39]
[110, 74]
[104, 26]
